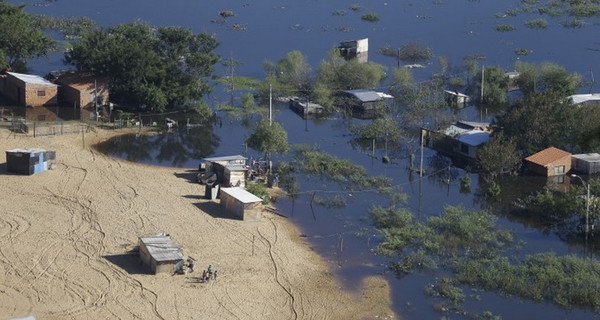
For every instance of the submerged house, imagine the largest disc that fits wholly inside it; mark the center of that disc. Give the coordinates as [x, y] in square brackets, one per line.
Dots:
[83, 90]
[549, 162]
[305, 107]
[455, 98]
[28, 90]
[362, 100]
[586, 163]
[590, 99]
[160, 253]
[355, 49]
[461, 139]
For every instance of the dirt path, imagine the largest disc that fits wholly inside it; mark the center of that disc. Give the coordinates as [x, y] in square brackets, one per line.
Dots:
[66, 236]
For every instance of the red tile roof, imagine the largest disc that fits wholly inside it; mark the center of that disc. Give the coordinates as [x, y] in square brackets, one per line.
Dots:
[547, 156]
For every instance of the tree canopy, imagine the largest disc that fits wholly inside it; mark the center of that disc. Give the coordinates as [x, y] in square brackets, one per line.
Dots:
[158, 68]
[336, 73]
[268, 137]
[546, 77]
[20, 38]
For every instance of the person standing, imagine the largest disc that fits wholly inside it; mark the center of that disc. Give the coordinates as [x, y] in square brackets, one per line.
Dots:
[210, 271]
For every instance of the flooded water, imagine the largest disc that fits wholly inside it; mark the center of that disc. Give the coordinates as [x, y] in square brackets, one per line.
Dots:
[345, 237]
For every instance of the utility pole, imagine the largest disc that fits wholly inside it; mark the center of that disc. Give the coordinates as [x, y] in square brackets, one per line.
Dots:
[270, 104]
[482, 82]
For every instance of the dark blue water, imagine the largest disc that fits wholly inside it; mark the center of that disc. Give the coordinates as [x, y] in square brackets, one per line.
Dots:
[345, 238]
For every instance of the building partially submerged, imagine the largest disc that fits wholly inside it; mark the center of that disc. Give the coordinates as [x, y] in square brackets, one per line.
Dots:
[28, 90]
[455, 98]
[590, 99]
[305, 107]
[83, 90]
[586, 163]
[28, 161]
[549, 162]
[461, 139]
[241, 203]
[362, 100]
[160, 253]
[355, 49]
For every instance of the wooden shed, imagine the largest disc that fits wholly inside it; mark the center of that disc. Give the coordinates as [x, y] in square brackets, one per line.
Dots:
[28, 90]
[586, 163]
[231, 171]
[160, 253]
[549, 162]
[28, 161]
[241, 203]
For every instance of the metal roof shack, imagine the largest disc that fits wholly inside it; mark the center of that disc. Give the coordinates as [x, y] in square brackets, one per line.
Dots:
[28, 161]
[586, 163]
[241, 203]
[28, 90]
[592, 99]
[160, 253]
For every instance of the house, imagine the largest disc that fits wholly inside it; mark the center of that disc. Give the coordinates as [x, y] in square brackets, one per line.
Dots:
[363, 100]
[462, 139]
[241, 203]
[591, 99]
[28, 90]
[355, 49]
[305, 107]
[227, 171]
[28, 161]
[456, 98]
[549, 162]
[586, 163]
[83, 90]
[160, 253]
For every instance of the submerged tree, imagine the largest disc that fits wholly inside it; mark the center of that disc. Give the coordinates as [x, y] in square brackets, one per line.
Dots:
[292, 73]
[268, 137]
[159, 68]
[546, 77]
[20, 37]
[337, 74]
[499, 155]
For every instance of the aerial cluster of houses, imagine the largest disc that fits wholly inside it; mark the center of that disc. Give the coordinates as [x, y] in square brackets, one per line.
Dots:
[80, 90]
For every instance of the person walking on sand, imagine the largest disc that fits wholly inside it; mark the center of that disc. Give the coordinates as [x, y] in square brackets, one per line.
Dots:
[203, 275]
[210, 271]
[215, 275]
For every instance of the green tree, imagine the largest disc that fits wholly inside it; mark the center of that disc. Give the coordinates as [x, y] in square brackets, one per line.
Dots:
[495, 86]
[546, 77]
[20, 38]
[268, 137]
[540, 120]
[499, 155]
[160, 68]
[292, 72]
[337, 74]
[414, 52]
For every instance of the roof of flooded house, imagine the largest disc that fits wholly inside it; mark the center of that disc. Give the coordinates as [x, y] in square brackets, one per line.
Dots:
[241, 194]
[589, 157]
[462, 127]
[364, 95]
[79, 80]
[26, 150]
[162, 248]
[456, 93]
[547, 156]
[474, 137]
[581, 98]
[32, 79]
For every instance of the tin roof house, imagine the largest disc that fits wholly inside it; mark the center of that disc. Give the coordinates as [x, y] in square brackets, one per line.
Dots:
[83, 90]
[28, 90]
[586, 163]
[461, 139]
[355, 49]
[362, 100]
[590, 99]
[241, 203]
[160, 253]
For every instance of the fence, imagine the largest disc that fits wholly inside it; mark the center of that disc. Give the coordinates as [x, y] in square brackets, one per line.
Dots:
[38, 129]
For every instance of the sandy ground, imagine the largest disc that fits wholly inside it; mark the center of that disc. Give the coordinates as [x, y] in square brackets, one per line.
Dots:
[66, 236]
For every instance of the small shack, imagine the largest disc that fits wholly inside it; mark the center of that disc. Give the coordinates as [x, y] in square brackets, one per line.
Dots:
[363, 100]
[28, 90]
[589, 99]
[355, 49]
[227, 170]
[241, 203]
[455, 98]
[28, 161]
[586, 163]
[305, 107]
[160, 253]
[462, 138]
[549, 162]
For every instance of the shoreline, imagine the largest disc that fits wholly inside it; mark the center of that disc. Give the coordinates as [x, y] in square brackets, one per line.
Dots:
[68, 233]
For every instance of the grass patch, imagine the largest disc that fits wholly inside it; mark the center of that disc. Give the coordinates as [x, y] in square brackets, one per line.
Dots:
[505, 27]
[539, 23]
[370, 17]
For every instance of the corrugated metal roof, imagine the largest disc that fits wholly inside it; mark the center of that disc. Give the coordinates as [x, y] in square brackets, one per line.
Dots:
[162, 248]
[581, 98]
[30, 78]
[26, 150]
[364, 95]
[241, 194]
[236, 167]
[225, 158]
[474, 137]
[589, 157]
[547, 156]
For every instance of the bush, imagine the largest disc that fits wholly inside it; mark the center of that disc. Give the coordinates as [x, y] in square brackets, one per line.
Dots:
[370, 17]
[537, 24]
[505, 27]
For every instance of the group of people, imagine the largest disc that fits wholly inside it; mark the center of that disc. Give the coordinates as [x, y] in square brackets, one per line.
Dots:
[209, 274]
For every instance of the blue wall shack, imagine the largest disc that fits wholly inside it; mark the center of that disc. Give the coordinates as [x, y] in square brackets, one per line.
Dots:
[29, 161]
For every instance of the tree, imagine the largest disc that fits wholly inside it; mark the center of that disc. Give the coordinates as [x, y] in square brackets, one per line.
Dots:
[160, 68]
[337, 74]
[414, 52]
[499, 155]
[540, 120]
[20, 38]
[495, 86]
[293, 72]
[546, 77]
[268, 137]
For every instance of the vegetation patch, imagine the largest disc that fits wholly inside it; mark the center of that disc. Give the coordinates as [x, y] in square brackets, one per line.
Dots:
[539, 23]
[370, 17]
[505, 27]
